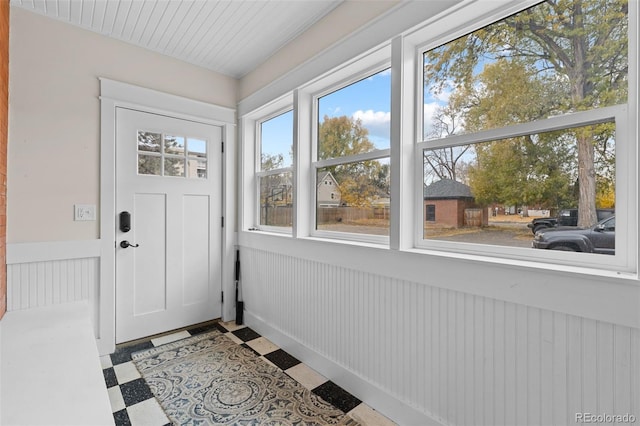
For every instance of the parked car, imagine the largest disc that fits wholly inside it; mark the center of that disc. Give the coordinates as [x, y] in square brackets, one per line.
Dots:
[566, 217]
[600, 238]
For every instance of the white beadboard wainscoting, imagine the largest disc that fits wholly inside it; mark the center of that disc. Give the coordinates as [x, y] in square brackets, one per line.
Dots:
[51, 273]
[423, 352]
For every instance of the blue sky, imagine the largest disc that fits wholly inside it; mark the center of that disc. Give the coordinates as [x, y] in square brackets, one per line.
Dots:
[368, 100]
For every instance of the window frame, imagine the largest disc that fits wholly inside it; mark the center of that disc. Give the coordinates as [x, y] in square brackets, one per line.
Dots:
[163, 155]
[260, 174]
[358, 71]
[403, 52]
[625, 259]
[250, 165]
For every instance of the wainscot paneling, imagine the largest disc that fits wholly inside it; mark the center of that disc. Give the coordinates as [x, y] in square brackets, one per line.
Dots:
[456, 358]
[43, 274]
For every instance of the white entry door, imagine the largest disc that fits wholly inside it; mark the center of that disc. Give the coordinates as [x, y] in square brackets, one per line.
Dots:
[168, 264]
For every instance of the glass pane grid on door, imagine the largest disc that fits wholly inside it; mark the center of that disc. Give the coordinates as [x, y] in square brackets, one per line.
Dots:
[169, 155]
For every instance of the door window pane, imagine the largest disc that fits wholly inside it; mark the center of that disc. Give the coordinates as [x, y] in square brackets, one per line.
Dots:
[197, 168]
[173, 145]
[196, 148]
[149, 141]
[177, 156]
[149, 165]
[173, 166]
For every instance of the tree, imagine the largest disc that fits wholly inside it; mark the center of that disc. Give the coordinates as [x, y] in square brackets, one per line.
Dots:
[532, 169]
[271, 161]
[446, 163]
[342, 136]
[359, 182]
[580, 42]
[156, 143]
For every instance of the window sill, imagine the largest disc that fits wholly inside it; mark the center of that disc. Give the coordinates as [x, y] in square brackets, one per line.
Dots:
[540, 264]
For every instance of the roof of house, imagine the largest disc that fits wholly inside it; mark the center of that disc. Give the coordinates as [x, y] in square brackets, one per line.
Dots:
[447, 189]
[324, 176]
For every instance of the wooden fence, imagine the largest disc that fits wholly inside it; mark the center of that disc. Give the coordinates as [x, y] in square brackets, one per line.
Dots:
[283, 215]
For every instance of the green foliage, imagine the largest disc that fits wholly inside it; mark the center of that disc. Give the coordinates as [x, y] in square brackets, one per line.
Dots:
[342, 136]
[557, 57]
[362, 182]
[271, 161]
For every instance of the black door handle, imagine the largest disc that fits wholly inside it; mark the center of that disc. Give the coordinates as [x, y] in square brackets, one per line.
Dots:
[125, 244]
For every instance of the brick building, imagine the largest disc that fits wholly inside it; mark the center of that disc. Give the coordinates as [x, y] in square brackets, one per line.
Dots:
[450, 203]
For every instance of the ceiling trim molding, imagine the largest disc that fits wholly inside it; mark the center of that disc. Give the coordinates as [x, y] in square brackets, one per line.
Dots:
[380, 31]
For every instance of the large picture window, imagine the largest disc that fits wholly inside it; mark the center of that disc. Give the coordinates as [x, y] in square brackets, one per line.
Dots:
[352, 171]
[514, 137]
[519, 128]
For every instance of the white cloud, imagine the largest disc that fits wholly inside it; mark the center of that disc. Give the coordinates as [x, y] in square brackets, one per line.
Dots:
[429, 111]
[377, 122]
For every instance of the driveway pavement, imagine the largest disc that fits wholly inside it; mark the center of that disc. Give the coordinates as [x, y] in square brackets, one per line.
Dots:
[501, 235]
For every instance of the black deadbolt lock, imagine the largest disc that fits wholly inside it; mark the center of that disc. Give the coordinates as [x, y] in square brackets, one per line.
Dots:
[125, 221]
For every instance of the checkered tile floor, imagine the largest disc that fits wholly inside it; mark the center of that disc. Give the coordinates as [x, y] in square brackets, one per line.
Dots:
[133, 403]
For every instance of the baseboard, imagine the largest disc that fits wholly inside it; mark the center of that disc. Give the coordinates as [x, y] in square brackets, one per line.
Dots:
[377, 398]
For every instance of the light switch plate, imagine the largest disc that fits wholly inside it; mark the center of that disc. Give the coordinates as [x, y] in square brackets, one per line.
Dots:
[84, 212]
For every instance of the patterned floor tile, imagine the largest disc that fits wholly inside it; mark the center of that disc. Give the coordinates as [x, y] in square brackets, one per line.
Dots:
[244, 345]
[110, 378]
[306, 376]
[282, 359]
[105, 361]
[245, 334]
[337, 396]
[147, 413]
[126, 372]
[121, 418]
[127, 389]
[234, 338]
[231, 326]
[262, 345]
[368, 416]
[115, 398]
[135, 391]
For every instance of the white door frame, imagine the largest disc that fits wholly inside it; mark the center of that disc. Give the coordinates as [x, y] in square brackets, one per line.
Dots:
[115, 94]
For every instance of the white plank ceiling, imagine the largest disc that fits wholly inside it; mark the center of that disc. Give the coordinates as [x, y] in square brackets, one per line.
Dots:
[231, 37]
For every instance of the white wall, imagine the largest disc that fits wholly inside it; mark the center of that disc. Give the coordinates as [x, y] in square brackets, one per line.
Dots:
[54, 118]
[395, 330]
[335, 26]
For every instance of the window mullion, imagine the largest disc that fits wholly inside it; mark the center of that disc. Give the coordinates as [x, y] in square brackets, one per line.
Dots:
[561, 122]
[372, 155]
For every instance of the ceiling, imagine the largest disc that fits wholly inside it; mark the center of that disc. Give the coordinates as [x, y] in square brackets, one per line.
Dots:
[231, 37]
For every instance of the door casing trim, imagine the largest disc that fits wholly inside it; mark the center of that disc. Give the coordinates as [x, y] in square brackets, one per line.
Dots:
[114, 94]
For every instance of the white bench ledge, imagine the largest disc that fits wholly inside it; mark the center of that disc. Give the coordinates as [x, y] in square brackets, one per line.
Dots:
[50, 372]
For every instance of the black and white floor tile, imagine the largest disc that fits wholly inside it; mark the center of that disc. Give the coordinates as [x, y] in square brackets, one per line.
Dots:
[133, 403]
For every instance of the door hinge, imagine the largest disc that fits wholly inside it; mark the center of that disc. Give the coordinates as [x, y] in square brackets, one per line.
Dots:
[222, 296]
[223, 221]
[223, 147]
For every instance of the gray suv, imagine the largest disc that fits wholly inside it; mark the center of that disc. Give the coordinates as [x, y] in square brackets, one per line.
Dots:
[566, 217]
[600, 238]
